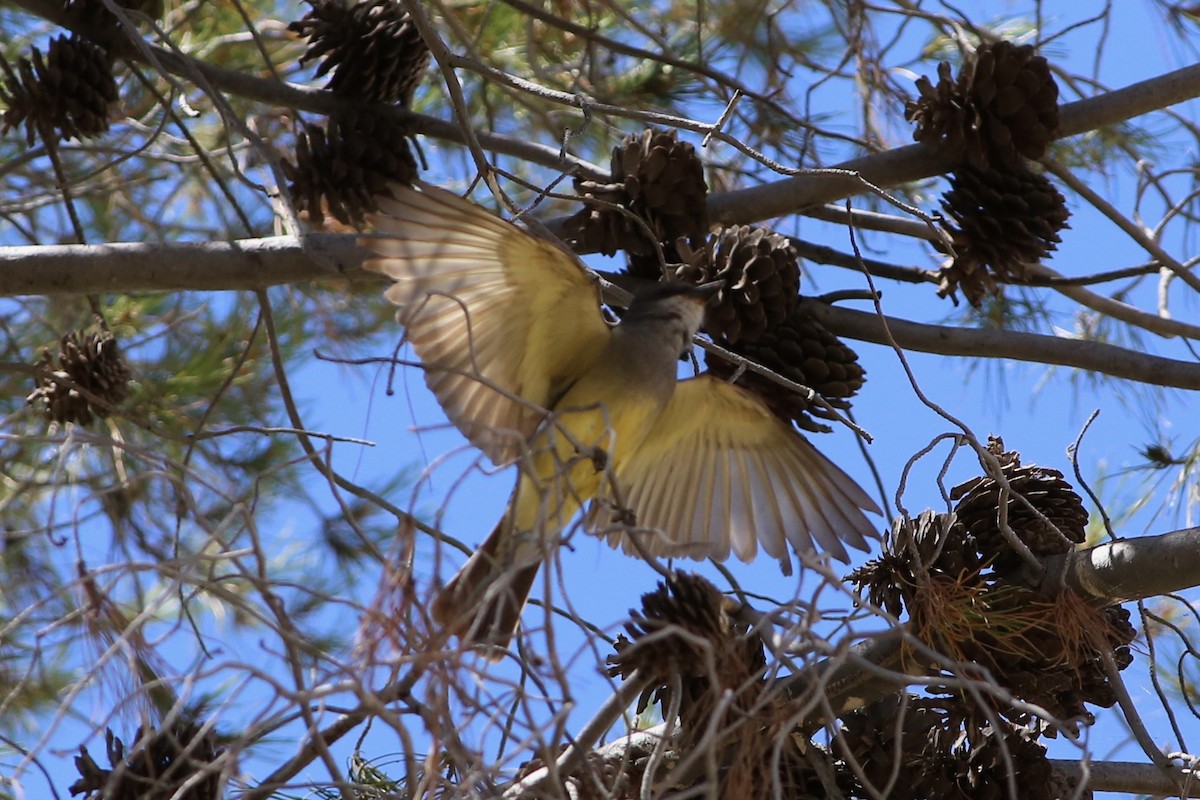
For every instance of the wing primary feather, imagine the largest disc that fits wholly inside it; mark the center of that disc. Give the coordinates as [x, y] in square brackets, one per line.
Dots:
[767, 479]
[742, 508]
[700, 527]
[715, 528]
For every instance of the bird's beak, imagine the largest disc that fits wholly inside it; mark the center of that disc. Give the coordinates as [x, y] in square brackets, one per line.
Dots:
[709, 290]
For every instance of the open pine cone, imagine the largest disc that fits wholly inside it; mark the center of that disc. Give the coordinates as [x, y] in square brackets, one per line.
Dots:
[1002, 108]
[802, 350]
[91, 378]
[340, 171]
[71, 91]
[655, 177]
[978, 503]
[166, 763]
[999, 221]
[761, 276]
[372, 48]
[684, 630]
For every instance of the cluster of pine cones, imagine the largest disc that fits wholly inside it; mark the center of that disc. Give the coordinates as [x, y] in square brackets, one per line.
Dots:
[373, 55]
[654, 209]
[709, 674]
[951, 576]
[70, 92]
[997, 115]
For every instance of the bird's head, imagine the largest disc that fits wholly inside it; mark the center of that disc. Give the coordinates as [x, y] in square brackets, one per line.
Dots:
[678, 307]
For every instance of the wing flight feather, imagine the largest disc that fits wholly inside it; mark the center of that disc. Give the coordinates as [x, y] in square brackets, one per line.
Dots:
[719, 472]
[477, 296]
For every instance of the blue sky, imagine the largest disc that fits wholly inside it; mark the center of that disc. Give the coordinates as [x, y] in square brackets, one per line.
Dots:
[1039, 412]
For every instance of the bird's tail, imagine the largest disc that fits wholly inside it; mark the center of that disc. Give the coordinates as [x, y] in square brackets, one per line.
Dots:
[482, 603]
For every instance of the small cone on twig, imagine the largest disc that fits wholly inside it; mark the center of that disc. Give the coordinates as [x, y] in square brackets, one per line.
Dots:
[90, 379]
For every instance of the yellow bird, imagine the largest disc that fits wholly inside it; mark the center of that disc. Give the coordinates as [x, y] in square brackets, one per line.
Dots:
[514, 346]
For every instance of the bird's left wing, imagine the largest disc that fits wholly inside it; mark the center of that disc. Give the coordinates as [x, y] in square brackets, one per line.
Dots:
[720, 472]
[501, 320]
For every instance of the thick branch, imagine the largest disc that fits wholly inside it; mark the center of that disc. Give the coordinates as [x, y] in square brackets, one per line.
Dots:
[200, 266]
[1101, 776]
[946, 340]
[916, 162]
[1128, 569]
[1131, 777]
[1115, 572]
[257, 263]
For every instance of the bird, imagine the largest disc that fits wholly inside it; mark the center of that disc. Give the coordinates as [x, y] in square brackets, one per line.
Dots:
[513, 343]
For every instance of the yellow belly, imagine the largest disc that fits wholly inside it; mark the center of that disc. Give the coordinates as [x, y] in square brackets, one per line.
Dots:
[574, 449]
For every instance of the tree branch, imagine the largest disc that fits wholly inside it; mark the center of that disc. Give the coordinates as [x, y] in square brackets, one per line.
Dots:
[318, 101]
[916, 161]
[1127, 569]
[1098, 776]
[256, 263]
[1131, 777]
[890, 168]
[946, 340]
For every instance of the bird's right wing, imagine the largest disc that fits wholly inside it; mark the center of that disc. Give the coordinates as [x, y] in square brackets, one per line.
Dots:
[720, 472]
[501, 320]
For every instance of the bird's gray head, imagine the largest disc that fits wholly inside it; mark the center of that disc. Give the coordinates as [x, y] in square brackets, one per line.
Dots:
[677, 308]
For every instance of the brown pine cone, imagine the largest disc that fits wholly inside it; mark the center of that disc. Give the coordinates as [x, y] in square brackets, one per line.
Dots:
[802, 350]
[761, 275]
[998, 221]
[342, 170]
[71, 91]
[663, 644]
[98, 375]
[372, 48]
[165, 763]
[1002, 108]
[978, 502]
[656, 178]
[927, 545]
[1017, 99]
[99, 25]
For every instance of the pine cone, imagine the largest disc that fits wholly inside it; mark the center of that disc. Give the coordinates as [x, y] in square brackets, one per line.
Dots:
[761, 275]
[663, 645]
[101, 26]
[160, 767]
[1005, 220]
[71, 91]
[98, 376]
[802, 350]
[372, 48]
[341, 171]
[978, 502]
[943, 747]
[927, 545]
[1003, 108]
[655, 177]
